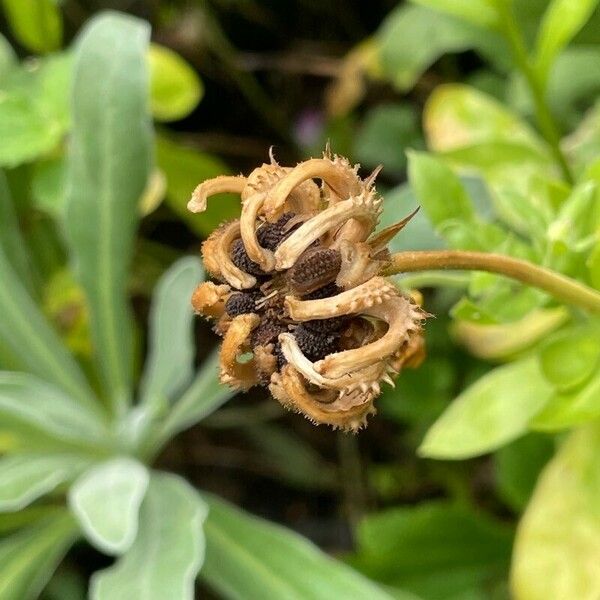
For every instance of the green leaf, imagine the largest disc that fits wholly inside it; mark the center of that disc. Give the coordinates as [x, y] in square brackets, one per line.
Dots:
[168, 551]
[47, 186]
[66, 584]
[202, 398]
[175, 88]
[518, 466]
[478, 12]
[557, 549]
[571, 356]
[10, 235]
[26, 131]
[26, 477]
[561, 22]
[502, 340]
[109, 165]
[458, 115]
[593, 265]
[573, 82]
[437, 550]
[184, 169]
[405, 55]
[170, 363]
[438, 190]
[34, 112]
[418, 234]
[493, 411]
[106, 501]
[33, 345]
[291, 458]
[251, 559]
[8, 58]
[29, 557]
[388, 130]
[41, 414]
[37, 24]
[568, 409]
[577, 221]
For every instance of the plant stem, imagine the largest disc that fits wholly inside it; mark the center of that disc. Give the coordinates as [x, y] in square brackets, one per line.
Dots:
[543, 115]
[562, 288]
[434, 279]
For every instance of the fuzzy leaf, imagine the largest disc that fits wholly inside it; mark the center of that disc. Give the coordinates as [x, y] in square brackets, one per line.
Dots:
[170, 363]
[168, 551]
[250, 559]
[109, 165]
[106, 501]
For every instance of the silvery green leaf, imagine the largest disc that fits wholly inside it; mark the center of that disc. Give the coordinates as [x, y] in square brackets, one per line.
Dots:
[168, 551]
[170, 363]
[108, 167]
[203, 397]
[106, 501]
[31, 344]
[26, 477]
[41, 415]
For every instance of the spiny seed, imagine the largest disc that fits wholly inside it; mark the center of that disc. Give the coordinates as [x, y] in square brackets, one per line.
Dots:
[240, 303]
[242, 261]
[270, 235]
[315, 345]
[314, 268]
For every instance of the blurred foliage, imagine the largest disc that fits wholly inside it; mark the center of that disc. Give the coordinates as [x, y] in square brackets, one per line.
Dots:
[483, 113]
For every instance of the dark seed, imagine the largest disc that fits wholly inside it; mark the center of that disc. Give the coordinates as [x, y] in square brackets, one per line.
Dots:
[270, 235]
[332, 325]
[281, 360]
[331, 289]
[267, 332]
[314, 269]
[315, 345]
[242, 261]
[240, 303]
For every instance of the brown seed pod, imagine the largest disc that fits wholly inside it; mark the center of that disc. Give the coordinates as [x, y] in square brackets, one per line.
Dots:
[303, 292]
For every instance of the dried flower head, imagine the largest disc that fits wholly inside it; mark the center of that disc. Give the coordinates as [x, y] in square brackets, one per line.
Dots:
[298, 288]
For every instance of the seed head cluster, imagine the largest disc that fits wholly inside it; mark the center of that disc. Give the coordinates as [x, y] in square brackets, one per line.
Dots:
[295, 282]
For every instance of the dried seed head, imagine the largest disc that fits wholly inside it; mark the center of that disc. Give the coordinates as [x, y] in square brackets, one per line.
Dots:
[302, 290]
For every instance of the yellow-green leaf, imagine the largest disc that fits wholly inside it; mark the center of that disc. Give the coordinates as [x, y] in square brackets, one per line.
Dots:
[561, 21]
[37, 24]
[457, 115]
[493, 411]
[557, 549]
[175, 88]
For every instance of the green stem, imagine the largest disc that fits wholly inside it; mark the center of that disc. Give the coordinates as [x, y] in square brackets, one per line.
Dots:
[434, 279]
[542, 111]
[563, 288]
